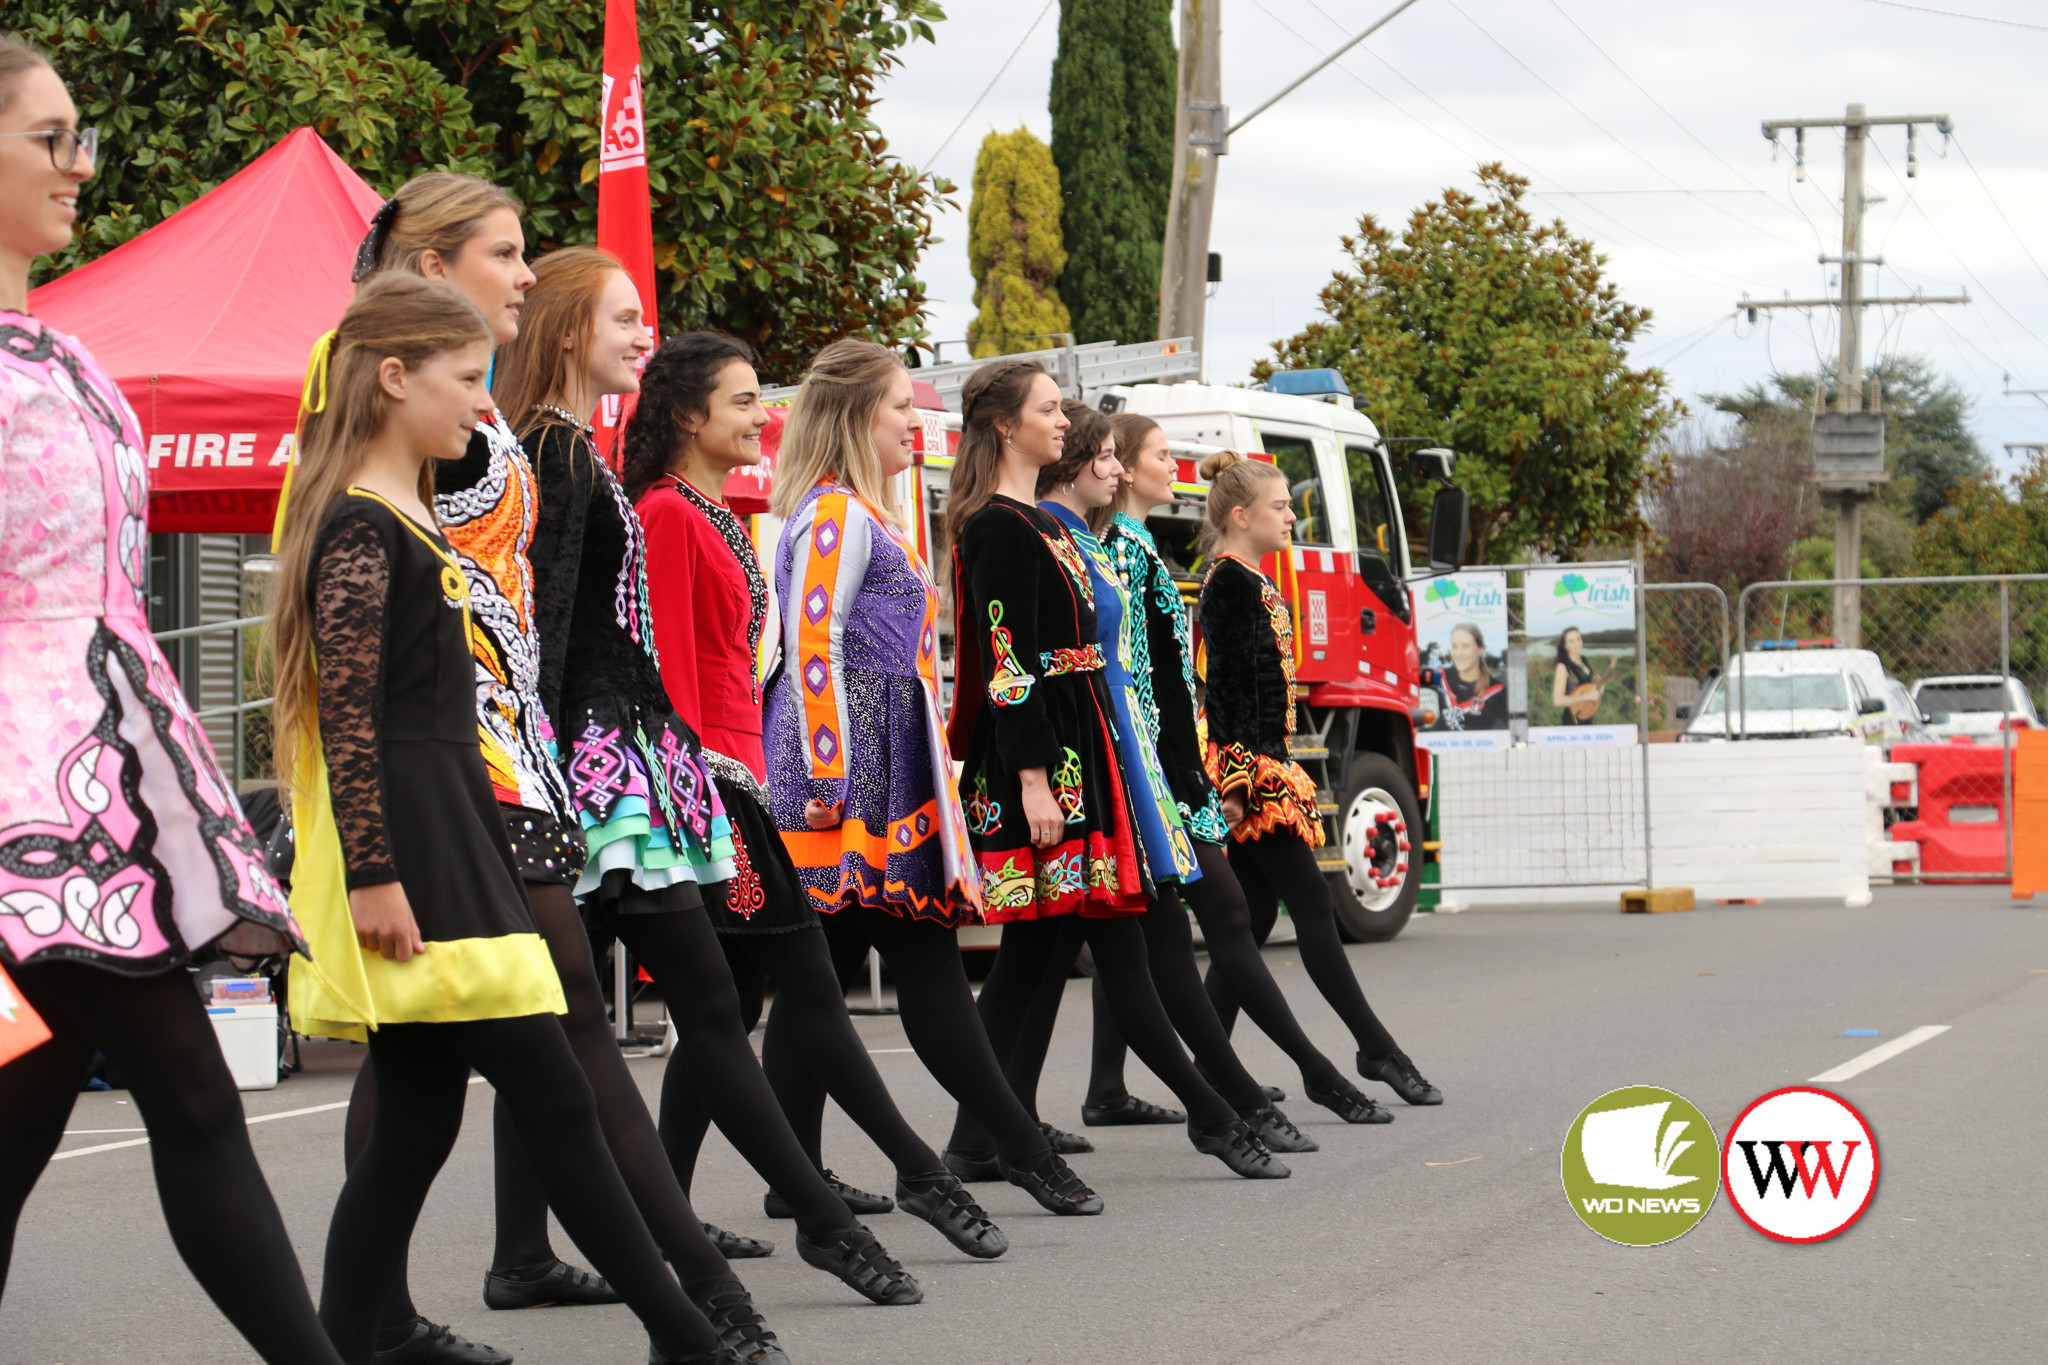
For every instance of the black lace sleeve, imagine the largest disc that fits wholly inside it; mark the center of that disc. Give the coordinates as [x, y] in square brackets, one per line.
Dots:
[557, 551]
[351, 580]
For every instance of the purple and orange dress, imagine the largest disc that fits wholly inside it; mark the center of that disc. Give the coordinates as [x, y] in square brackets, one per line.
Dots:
[853, 719]
[121, 840]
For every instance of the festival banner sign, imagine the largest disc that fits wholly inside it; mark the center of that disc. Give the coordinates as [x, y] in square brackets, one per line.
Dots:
[1585, 616]
[1461, 627]
[625, 221]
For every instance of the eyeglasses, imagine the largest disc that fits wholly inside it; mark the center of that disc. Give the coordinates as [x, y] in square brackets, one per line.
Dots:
[65, 144]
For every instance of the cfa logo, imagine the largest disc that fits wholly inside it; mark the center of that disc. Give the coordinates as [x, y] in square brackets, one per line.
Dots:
[1800, 1165]
[1639, 1166]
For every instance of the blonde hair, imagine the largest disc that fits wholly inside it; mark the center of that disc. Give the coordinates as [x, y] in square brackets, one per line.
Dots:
[537, 367]
[830, 432]
[394, 316]
[16, 59]
[1234, 482]
[438, 212]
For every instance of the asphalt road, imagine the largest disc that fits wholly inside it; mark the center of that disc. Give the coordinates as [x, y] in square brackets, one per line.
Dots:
[1442, 1237]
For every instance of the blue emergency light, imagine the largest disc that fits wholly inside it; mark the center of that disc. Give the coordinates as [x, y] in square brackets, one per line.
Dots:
[1828, 643]
[1309, 383]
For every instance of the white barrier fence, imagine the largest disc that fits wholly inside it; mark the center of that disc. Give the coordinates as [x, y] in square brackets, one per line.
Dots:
[1776, 819]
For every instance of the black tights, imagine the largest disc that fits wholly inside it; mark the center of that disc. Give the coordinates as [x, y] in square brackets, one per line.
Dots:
[221, 1215]
[421, 1079]
[713, 1063]
[810, 1043]
[628, 1128]
[1037, 951]
[939, 1021]
[1281, 867]
[1236, 969]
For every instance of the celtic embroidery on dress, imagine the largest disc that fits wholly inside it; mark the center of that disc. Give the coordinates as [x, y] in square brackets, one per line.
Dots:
[1008, 683]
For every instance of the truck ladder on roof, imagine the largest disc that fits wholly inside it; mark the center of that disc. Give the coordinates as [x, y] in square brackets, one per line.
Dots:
[1080, 370]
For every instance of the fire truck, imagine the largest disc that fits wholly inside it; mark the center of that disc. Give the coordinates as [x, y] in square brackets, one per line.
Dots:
[1346, 578]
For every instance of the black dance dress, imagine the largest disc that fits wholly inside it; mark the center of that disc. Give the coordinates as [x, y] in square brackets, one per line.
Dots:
[1248, 638]
[1030, 693]
[402, 794]
[650, 812]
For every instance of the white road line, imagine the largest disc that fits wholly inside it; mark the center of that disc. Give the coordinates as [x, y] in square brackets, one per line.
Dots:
[88, 1132]
[878, 1051]
[257, 1118]
[1883, 1052]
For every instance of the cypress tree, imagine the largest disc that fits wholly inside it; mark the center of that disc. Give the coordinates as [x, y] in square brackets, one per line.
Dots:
[1013, 246]
[1113, 86]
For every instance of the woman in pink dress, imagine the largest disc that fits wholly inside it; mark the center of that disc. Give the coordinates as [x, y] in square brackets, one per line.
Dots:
[123, 851]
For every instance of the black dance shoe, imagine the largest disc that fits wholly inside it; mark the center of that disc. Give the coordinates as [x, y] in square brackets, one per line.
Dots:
[862, 1262]
[546, 1284]
[1239, 1148]
[1400, 1073]
[1350, 1103]
[1128, 1111]
[741, 1328]
[1274, 1094]
[433, 1344]
[1066, 1144]
[972, 1166]
[858, 1202]
[1277, 1131]
[1054, 1185]
[735, 1247]
[941, 1200]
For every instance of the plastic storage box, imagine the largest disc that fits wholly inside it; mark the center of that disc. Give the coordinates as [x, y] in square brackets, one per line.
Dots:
[248, 1039]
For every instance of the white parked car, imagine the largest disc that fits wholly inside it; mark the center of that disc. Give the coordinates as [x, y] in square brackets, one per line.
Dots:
[1971, 704]
[1793, 694]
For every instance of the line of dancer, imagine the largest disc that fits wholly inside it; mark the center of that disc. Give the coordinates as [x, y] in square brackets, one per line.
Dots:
[521, 712]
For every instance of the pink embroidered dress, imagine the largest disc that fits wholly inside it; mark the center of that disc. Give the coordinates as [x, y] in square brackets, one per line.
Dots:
[121, 841]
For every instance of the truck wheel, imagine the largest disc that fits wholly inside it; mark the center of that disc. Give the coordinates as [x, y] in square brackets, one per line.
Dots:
[1379, 830]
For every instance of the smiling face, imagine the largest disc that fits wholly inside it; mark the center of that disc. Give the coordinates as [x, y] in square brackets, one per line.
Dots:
[491, 270]
[619, 339]
[1039, 434]
[1465, 651]
[1152, 469]
[1266, 521]
[435, 407]
[38, 202]
[894, 429]
[728, 435]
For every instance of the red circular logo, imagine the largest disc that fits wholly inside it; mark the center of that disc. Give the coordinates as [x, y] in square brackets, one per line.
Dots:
[1800, 1164]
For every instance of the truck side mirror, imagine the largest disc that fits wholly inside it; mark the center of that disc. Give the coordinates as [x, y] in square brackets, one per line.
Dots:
[1449, 529]
[1683, 712]
[1432, 462]
[1869, 706]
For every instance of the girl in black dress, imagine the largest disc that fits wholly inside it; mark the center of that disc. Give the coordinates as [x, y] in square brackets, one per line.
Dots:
[664, 845]
[1241, 974]
[1268, 801]
[1573, 675]
[1047, 802]
[404, 878]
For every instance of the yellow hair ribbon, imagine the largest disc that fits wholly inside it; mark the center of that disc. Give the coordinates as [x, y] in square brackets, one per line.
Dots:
[316, 374]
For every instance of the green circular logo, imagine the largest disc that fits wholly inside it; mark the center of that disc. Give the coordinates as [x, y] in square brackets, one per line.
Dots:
[1641, 1165]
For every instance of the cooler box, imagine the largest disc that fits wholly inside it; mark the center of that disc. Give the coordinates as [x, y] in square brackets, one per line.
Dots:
[248, 1039]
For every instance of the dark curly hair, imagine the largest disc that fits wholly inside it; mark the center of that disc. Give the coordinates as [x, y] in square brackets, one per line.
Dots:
[679, 380]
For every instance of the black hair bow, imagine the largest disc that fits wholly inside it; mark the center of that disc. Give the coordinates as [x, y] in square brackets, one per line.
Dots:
[372, 247]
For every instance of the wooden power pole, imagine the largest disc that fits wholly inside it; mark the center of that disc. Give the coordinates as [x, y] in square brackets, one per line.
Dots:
[1198, 140]
[1848, 442]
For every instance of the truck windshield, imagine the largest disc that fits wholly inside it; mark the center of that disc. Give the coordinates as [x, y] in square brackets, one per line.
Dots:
[1296, 457]
[1964, 697]
[1798, 692]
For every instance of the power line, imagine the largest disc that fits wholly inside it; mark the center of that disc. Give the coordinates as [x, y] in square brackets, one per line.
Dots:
[933, 158]
[1957, 14]
[1981, 286]
[1983, 185]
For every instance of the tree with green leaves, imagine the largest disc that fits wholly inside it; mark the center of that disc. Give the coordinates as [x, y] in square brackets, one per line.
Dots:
[1013, 246]
[1480, 329]
[1990, 527]
[1113, 90]
[778, 213]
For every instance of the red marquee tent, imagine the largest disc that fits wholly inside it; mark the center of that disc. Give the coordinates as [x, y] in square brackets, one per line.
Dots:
[205, 322]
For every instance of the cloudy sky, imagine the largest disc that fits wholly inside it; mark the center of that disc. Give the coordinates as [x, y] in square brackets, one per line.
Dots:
[1638, 124]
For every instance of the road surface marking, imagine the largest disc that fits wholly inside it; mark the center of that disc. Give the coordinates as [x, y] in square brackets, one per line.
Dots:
[1883, 1052]
[878, 1051]
[257, 1118]
[1459, 1162]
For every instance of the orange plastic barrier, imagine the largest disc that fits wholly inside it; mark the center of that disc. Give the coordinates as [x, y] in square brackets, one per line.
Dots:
[2030, 814]
[1961, 824]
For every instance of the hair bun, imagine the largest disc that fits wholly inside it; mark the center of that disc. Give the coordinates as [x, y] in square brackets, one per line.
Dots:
[1212, 465]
